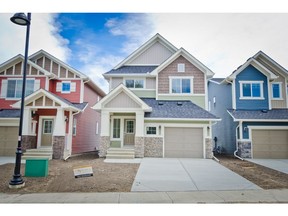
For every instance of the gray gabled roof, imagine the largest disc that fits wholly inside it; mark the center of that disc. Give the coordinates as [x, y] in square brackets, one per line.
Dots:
[274, 114]
[176, 110]
[10, 113]
[132, 70]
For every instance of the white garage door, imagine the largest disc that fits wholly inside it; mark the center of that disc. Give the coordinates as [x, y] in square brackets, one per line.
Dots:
[8, 140]
[183, 142]
[270, 144]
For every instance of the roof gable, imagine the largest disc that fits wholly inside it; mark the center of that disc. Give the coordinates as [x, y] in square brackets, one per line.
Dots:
[156, 43]
[121, 97]
[189, 57]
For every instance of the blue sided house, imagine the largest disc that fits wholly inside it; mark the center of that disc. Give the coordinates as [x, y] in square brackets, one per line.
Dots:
[253, 105]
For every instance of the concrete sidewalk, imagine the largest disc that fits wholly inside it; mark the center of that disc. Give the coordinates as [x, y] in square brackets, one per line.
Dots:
[280, 165]
[246, 196]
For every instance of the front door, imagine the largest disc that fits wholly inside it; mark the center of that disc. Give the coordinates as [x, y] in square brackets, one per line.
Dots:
[46, 134]
[129, 132]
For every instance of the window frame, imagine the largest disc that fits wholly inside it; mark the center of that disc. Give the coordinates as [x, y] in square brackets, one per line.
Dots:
[151, 126]
[181, 67]
[113, 127]
[242, 97]
[65, 83]
[280, 91]
[171, 78]
[134, 82]
[16, 86]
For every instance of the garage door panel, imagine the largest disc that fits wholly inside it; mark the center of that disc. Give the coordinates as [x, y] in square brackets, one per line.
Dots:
[270, 144]
[183, 142]
[8, 140]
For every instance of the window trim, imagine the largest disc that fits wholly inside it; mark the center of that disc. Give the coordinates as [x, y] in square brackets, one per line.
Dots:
[143, 79]
[251, 97]
[17, 79]
[280, 91]
[181, 67]
[181, 77]
[66, 82]
[150, 126]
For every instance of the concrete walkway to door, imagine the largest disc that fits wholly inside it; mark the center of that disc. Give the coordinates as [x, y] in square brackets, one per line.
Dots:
[172, 174]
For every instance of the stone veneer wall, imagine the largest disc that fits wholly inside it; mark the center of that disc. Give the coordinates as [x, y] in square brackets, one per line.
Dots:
[153, 147]
[208, 148]
[58, 147]
[104, 145]
[244, 149]
[139, 147]
[29, 142]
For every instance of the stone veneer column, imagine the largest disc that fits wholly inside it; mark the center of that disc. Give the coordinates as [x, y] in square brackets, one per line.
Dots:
[244, 149]
[58, 147]
[29, 142]
[153, 147]
[104, 145]
[139, 147]
[208, 148]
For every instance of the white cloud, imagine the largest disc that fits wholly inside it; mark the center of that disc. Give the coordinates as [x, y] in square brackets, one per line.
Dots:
[224, 41]
[44, 34]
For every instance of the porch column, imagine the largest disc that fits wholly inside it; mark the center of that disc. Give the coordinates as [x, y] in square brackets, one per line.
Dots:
[59, 135]
[139, 135]
[105, 133]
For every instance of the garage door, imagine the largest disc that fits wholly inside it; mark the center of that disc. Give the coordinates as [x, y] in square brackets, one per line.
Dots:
[183, 143]
[8, 141]
[271, 144]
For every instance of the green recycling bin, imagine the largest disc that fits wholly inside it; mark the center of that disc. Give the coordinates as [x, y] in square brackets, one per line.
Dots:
[36, 167]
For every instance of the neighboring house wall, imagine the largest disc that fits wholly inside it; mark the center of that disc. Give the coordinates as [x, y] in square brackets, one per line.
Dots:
[220, 99]
[251, 74]
[87, 136]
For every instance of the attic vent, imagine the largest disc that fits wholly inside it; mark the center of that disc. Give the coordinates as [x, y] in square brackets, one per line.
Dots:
[160, 103]
[264, 111]
[179, 103]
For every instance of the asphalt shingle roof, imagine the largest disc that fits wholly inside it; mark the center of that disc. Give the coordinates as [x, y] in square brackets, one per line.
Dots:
[274, 114]
[10, 113]
[176, 109]
[132, 70]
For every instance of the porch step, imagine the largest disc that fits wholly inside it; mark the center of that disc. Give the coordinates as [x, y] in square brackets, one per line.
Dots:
[38, 153]
[120, 153]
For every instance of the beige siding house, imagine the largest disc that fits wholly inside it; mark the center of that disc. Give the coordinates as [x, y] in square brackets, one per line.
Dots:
[157, 105]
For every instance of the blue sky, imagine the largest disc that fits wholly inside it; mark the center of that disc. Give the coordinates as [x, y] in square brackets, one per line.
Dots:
[94, 43]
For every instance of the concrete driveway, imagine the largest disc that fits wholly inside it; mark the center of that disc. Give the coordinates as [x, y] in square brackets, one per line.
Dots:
[280, 165]
[172, 174]
[5, 160]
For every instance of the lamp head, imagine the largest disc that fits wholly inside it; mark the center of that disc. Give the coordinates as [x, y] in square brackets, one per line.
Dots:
[20, 19]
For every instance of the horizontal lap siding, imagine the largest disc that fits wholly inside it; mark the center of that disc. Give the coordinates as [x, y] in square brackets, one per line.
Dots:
[86, 138]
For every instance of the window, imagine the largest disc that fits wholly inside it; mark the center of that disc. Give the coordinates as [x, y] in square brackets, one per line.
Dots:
[47, 128]
[116, 128]
[134, 83]
[97, 128]
[276, 91]
[181, 86]
[66, 86]
[181, 67]
[251, 90]
[130, 126]
[14, 88]
[74, 127]
[151, 130]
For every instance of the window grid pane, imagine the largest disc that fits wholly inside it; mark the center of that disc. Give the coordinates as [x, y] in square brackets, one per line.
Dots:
[130, 127]
[151, 130]
[186, 86]
[176, 85]
[276, 90]
[11, 89]
[47, 127]
[116, 128]
[139, 84]
[256, 92]
[130, 83]
[246, 90]
[65, 87]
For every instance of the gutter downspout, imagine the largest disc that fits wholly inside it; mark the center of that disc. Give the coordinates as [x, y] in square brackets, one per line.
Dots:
[72, 135]
[237, 146]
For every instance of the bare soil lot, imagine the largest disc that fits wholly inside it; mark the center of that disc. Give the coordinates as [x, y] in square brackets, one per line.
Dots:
[115, 177]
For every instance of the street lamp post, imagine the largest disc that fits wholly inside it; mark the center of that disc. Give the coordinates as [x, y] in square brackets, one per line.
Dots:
[17, 181]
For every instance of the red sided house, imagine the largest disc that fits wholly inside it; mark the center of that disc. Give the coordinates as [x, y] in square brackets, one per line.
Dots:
[57, 112]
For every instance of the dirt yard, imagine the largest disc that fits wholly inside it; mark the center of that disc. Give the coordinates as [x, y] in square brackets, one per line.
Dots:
[110, 177]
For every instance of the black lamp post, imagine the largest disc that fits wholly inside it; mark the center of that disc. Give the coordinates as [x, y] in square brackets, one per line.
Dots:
[17, 181]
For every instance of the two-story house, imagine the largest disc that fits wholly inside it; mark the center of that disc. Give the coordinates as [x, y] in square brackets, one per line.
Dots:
[157, 104]
[57, 110]
[255, 119]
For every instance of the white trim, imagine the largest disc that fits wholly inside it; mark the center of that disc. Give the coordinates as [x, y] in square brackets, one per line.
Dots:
[241, 82]
[181, 67]
[191, 78]
[180, 119]
[151, 125]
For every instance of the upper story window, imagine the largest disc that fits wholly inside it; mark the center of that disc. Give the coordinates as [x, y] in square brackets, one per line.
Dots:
[181, 67]
[134, 83]
[181, 85]
[66, 87]
[12, 88]
[276, 91]
[251, 90]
